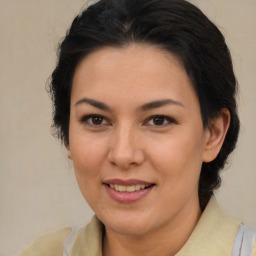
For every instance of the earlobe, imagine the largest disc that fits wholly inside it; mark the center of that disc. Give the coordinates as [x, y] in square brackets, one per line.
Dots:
[217, 130]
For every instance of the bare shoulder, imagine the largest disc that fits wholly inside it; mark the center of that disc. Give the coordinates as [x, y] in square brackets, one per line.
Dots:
[49, 244]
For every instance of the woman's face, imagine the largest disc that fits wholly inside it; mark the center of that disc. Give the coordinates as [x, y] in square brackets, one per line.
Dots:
[136, 138]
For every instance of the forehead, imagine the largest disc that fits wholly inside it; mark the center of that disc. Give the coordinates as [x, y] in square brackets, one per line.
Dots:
[136, 57]
[138, 70]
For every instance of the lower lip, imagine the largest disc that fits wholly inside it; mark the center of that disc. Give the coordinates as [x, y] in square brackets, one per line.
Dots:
[127, 197]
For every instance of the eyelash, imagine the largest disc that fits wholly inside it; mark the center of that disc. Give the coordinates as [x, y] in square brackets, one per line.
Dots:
[166, 119]
[85, 120]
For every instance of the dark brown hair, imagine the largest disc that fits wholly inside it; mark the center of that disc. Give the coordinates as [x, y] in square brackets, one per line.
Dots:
[174, 25]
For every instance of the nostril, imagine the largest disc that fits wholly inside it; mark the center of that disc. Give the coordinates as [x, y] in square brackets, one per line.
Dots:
[125, 158]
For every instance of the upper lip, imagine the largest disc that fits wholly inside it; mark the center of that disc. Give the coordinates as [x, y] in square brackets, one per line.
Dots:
[129, 182]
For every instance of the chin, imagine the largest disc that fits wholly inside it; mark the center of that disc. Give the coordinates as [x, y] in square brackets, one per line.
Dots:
[128, 223]
[128, 229]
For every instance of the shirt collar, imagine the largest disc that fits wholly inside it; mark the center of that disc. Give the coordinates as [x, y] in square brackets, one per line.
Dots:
[213, 235]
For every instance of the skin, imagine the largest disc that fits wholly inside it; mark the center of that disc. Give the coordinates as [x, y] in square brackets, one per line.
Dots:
[126, 142]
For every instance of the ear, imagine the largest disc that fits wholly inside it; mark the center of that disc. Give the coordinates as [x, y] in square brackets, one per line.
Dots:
[215, 135]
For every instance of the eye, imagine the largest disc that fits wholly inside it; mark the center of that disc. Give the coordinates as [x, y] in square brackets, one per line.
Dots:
[160, 120]
[94, 120]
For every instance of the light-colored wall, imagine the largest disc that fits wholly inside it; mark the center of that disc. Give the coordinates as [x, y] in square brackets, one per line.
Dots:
[38, 189]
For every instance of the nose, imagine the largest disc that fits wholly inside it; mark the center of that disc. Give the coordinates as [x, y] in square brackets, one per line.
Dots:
[126, 149]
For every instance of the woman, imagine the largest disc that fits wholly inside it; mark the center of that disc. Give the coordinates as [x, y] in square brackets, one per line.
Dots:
[144, 100]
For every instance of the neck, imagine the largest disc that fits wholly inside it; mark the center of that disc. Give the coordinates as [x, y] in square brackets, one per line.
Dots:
[165, 241]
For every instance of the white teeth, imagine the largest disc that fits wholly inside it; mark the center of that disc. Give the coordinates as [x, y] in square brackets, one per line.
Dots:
[131, 188]
[121, 188]
[138, 187]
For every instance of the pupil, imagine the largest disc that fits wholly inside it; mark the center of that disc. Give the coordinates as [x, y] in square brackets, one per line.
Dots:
[158, 120]
[97, 120]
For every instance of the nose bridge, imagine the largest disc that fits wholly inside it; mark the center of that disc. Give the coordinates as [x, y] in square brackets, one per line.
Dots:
[125, 149]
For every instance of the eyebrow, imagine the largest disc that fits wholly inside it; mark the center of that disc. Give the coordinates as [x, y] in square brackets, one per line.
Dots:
[94, 103]
[159, 103]
[145, 107]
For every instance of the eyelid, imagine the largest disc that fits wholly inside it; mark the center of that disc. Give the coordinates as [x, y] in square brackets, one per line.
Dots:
[168, 118]
[84, 120]
[106, 122]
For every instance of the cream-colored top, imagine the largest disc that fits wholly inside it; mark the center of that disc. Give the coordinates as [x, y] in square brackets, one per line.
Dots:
[214, 235]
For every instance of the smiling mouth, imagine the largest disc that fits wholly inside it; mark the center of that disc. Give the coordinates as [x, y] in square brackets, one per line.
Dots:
[128, 189]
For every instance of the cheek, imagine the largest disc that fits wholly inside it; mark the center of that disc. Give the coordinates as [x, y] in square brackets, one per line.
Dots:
[179, 158]
[88, 155]
[86, 150]
[178, 164]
